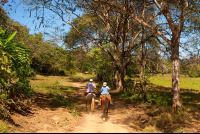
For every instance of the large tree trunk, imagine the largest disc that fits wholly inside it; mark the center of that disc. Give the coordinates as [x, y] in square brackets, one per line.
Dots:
[135, 83]
[142, 63]
[113, 74]
[176, 100]
[121, 72]
[141, 78]
[119, 81]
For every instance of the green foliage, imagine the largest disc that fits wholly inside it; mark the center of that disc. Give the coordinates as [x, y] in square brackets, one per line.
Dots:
[46, 57]
[169, 116]
[54, 61]
[159, 99]
[59, 100]
[3, 128]
[101, 64]
[194, 70]
[129, 96]
[74, 112]
[15, 67]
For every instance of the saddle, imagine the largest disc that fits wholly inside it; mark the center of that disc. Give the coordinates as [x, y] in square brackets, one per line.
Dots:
[90, 94]
[109, 98]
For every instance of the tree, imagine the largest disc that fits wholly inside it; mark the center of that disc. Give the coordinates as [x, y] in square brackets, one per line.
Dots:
[175, 14]
[118, 17]
[112, 27]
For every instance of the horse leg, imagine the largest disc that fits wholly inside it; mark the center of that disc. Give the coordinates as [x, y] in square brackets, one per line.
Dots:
[86, 105]
[107, 113]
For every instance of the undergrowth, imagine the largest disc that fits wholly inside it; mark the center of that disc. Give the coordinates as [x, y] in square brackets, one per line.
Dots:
[164, 115]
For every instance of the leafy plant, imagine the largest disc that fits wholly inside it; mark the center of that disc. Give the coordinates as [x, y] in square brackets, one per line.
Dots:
[14, 68]
[74, 113]
[3, 128]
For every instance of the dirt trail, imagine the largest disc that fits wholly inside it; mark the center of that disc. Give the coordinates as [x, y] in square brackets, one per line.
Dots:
[94, 122]
[46, 119]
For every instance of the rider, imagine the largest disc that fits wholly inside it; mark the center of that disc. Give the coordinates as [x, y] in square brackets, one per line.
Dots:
[105, 90]
[90, 88]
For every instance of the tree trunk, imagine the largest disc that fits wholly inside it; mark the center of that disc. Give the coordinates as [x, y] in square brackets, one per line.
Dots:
[119, 81]
[113, 75]
[121, 72]
[135, 84]
[142, 63]
[176, 100]
[141, 79]
[145, 91]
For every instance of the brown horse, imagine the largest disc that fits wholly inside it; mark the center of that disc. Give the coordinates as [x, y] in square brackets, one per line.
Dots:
[90, 100]
[105, 103]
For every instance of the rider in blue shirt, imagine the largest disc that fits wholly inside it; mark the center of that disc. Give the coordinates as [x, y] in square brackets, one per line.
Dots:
[104, 90]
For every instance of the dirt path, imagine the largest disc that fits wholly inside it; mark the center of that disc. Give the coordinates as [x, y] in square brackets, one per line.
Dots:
[47, 119]
[93, 122]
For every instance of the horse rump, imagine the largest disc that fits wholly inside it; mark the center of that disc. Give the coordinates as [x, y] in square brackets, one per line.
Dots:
[107, 103]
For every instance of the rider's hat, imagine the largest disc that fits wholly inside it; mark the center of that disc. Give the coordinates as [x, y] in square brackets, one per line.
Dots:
[91, 80]
[104, 84]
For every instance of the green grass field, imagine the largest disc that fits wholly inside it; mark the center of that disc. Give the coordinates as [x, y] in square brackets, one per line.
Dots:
[185, 82]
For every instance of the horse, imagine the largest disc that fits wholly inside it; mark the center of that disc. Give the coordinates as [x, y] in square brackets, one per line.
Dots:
[105, 103]
[90, 100]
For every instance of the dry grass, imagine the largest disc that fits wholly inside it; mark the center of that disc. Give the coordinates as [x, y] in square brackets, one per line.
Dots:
[151, 129]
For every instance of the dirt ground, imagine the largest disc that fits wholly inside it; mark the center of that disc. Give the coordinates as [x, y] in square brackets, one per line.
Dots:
[47, 119]
[44, 118]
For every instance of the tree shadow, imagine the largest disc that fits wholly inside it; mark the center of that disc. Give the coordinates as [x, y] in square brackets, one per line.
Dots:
[160, 102]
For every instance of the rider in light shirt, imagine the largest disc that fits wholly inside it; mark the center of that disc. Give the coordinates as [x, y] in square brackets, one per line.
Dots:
[104, 90]
[90, 88]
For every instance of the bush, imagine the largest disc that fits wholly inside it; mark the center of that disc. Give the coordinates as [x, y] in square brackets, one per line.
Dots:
[15, 69]
[59, 100]
[170, 116]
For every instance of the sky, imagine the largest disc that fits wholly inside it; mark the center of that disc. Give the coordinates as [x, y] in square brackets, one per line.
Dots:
[17, 13]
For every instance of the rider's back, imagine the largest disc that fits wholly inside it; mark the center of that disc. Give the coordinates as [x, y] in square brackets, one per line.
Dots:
[90, 87]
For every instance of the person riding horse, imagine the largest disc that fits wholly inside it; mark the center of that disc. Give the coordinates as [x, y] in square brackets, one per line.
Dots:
[90, 88]
[105, 90]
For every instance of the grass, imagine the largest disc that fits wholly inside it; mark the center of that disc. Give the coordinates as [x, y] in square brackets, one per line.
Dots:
[56, 87]
[88, 76]
[158, 93]
[159, 103]
[151, 129]
[52, 84]
[3, 127]
[185, 82]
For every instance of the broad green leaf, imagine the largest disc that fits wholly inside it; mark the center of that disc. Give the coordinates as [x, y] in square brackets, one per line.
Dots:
[8, 70]
[3, 68]
[5, 60]
[10, 37]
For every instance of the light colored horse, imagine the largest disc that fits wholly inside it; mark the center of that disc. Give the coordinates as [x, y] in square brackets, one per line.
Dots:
[90, 100]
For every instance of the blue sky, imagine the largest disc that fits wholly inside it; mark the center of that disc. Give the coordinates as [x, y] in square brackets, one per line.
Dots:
[17, 13]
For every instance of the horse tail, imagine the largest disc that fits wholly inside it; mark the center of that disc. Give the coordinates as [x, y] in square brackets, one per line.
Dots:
[107, 103]
[92, 104]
